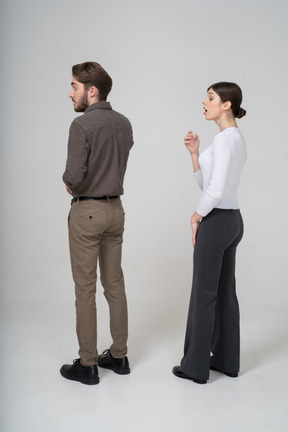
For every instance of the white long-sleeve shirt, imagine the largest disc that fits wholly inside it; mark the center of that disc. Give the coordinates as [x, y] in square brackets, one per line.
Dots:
[221, 168]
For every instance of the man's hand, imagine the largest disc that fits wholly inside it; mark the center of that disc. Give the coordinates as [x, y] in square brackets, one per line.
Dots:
[69, 190]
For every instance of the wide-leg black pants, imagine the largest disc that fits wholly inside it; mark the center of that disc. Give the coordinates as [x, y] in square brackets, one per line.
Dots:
[213, 317]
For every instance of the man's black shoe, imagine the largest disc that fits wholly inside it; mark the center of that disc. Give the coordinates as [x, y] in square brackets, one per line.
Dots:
[117, 365]
[177, 371]
[229, 374]
[77, 372]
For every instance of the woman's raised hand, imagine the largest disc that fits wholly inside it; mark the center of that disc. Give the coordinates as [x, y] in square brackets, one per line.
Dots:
[192, 142]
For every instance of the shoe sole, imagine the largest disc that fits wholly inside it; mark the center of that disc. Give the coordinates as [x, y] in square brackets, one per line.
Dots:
[117, 371]
[230, 375]
[88, 381]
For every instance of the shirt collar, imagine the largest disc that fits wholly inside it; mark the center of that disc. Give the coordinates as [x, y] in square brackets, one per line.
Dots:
[99, 105]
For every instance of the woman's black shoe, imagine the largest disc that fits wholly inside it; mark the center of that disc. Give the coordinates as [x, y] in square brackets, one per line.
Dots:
[229, 374]
[177, 371]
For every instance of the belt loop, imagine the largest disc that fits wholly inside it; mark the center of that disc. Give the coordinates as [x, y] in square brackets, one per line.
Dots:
[74, 199]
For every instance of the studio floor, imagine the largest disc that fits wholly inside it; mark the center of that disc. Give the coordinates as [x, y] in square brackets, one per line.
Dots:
[35, 398]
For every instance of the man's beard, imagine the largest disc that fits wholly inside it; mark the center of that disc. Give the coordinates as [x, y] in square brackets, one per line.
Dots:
[82, 104]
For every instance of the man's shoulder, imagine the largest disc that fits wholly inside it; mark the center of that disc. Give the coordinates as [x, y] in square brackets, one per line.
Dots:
[77, 122]
[108, 115]
[120, 116]
[101, 117]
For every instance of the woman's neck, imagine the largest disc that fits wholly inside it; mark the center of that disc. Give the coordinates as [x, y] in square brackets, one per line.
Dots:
[225, 123]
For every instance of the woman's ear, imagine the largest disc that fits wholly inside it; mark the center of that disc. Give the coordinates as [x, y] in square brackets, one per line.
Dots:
[227, 105]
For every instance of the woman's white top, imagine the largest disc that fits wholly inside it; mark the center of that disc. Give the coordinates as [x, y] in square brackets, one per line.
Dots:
[221, 168]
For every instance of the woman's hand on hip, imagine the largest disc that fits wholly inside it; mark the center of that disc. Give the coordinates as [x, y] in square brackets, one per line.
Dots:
[195, 223]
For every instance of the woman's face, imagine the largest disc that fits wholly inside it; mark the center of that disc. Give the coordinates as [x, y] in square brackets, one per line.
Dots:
[213, 106]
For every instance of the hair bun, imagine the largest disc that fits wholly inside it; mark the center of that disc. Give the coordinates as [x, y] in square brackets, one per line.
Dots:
[242, 113]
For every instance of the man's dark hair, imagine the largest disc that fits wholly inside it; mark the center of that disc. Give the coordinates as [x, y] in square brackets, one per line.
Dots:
[92, 74]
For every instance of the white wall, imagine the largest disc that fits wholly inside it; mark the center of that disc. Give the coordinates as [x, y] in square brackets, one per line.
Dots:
[162, 55]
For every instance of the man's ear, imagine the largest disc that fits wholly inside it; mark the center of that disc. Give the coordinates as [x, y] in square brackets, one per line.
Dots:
[93, 92]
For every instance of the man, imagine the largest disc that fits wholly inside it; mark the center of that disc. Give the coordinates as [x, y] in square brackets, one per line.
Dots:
[98, 149]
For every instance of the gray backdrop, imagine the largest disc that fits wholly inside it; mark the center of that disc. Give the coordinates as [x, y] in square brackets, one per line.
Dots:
[162, 55]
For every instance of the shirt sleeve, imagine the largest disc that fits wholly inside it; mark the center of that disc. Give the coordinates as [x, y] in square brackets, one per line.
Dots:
[78, 152]
[222, 156]
[199, 178]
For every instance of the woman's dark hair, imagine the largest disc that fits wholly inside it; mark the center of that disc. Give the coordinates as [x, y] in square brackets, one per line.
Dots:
[230, 92]
[92, 74]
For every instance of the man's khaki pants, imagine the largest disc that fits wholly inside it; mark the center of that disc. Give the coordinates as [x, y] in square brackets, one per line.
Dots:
[96, 231]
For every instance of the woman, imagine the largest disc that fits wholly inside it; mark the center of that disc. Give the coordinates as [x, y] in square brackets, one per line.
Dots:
[217, 228]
